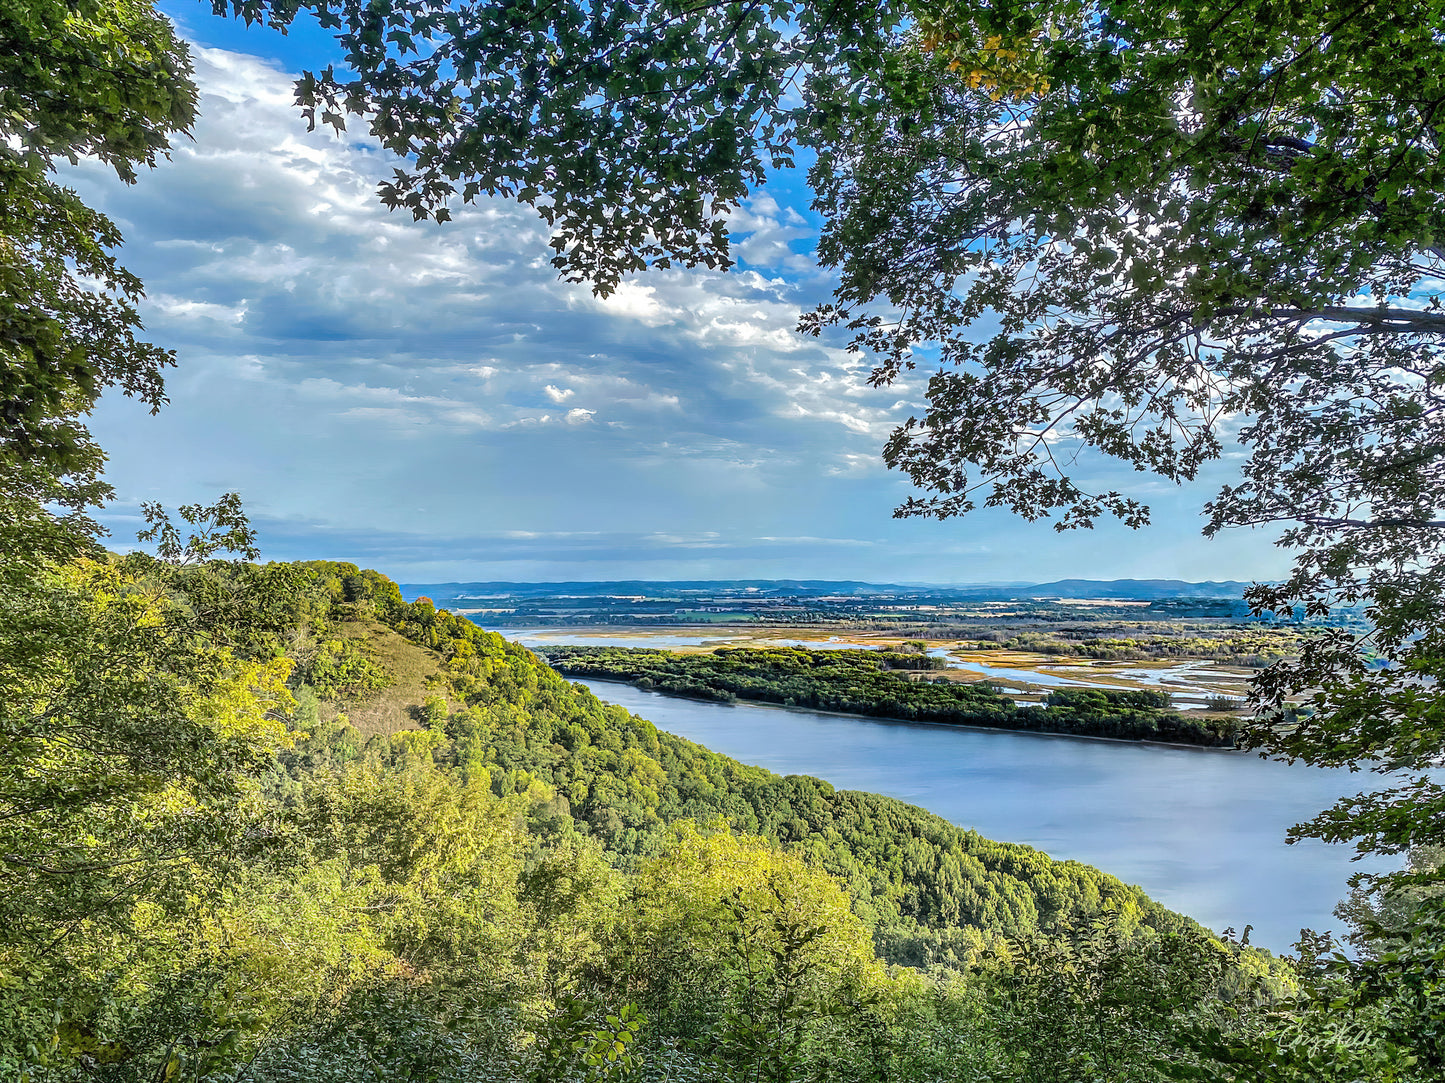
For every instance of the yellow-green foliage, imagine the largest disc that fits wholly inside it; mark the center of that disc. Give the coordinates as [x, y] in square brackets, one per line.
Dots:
[720, 902]
[129, 748]
[339, 669]
[725, 929]
[517, 889]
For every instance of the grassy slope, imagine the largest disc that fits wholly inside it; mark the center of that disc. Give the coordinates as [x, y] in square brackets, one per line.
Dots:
[415, 673]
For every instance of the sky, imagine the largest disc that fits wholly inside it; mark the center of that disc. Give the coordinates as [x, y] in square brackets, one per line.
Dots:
[429, 400]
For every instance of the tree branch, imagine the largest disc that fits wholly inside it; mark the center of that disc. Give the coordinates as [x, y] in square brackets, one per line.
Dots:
[1392, 319]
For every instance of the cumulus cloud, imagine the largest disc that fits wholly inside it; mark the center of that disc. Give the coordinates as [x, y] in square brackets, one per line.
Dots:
[395, 379]
[272, 237]
[769, 234]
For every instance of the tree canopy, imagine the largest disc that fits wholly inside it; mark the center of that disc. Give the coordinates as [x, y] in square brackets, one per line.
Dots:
[632, 128]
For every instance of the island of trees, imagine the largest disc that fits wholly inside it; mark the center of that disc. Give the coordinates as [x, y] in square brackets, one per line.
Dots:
[885, 684]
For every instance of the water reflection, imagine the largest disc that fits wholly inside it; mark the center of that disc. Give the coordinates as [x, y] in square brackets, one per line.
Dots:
[1200, 830]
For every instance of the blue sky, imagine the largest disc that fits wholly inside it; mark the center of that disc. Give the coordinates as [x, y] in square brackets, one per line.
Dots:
[430, 401]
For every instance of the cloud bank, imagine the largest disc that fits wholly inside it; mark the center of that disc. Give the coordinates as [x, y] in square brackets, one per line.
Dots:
[431, 400]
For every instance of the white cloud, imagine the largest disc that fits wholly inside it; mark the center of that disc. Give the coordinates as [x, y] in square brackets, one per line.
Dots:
[182, 308]
[275, 241]
[853, 464]
[768, 232]
[343, 364]
[636, 302]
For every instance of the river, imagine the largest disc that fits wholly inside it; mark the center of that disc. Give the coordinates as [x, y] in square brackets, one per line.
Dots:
[1200, 830]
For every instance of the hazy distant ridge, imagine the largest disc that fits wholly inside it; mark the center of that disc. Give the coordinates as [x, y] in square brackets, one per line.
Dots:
[1134, 589]
[1131, 589]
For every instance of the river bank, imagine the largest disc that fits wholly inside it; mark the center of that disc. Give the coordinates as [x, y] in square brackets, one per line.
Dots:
[1201, 830]
[741, 701]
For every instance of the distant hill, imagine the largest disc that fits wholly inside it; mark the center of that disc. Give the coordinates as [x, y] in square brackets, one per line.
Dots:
[654, 588]
[1117, 589]
[1122, 589]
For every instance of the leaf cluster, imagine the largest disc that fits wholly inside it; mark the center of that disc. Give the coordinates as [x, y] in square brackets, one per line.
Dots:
[635, 129]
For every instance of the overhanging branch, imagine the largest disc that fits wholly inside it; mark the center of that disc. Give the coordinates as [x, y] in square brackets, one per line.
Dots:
[1397, 320]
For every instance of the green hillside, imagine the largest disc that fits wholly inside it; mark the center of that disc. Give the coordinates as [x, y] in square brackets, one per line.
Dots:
[914, 877]
[273, 823]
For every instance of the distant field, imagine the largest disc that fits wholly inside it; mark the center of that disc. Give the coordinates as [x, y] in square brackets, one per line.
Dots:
[1196, 641]
[1196, 683]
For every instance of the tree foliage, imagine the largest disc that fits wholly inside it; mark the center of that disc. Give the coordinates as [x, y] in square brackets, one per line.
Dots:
[129, 730]
[634, 129]
[107, 80]
[1088, 1005]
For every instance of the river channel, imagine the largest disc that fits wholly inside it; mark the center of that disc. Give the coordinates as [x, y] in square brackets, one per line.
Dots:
[1202, 831]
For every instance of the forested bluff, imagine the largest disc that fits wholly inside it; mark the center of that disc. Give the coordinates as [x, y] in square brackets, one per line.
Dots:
[291, 827]
[880, 684]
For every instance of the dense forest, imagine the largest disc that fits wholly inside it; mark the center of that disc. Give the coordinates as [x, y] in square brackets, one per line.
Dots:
[879, 684]
[273, 823]
[914, 877]
[340, 836]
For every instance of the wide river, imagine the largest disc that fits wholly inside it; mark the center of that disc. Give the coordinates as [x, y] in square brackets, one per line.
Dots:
[1202, 831]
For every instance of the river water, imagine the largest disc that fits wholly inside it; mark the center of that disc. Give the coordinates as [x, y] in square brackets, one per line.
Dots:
[1201, 830]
